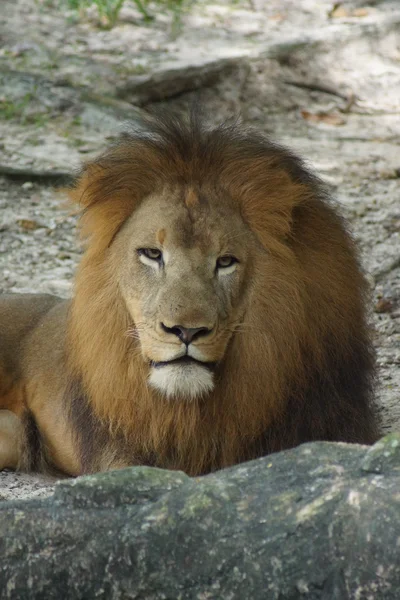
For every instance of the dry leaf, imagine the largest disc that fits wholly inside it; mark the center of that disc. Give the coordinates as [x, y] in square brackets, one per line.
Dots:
[338, 11]
[321, 117]
[359, 12]
[28, 224]
[278, 17]
[384, 305]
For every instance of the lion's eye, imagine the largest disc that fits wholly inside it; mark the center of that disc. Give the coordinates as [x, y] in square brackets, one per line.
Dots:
[224, 262]
[151, 254]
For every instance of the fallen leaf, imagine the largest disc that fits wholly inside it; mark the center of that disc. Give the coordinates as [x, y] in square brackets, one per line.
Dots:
[360, 12]
[338, 11]
[277, 17]
[388, 174]
[322, 117]
[28, 224]
[384, 305]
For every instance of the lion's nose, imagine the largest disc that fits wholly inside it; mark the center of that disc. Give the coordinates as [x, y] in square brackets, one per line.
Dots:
[186, 334]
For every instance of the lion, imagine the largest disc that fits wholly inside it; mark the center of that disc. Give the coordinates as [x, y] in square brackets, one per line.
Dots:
[218, 314]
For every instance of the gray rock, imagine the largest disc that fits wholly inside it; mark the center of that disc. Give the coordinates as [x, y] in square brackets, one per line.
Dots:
[174, 80]
[60, 122]
[320, 522]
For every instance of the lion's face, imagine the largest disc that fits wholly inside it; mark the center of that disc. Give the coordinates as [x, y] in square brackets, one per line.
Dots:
[183, 264]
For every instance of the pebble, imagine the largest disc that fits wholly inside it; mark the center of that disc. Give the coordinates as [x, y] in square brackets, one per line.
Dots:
[28, 185]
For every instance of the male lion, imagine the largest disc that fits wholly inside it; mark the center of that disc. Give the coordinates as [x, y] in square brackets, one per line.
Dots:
[218, 314]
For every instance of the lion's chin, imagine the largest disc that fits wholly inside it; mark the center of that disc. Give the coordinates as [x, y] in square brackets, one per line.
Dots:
[186, 381]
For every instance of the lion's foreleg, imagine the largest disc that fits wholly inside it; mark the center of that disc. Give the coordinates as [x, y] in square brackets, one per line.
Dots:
[11, 430]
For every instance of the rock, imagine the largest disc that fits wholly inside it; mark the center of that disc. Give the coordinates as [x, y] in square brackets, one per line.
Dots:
[22, 172]
[321, 521]
[67, 119]
[175, 79]
[28, 185]
[384, 456]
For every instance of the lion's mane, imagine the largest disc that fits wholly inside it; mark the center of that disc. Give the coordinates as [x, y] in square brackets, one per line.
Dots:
[301, 368]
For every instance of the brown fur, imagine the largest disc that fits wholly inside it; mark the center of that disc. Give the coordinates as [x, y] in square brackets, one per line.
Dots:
[299, 365]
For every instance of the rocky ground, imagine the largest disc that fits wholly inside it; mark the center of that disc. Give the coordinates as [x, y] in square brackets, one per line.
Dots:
[319, 76]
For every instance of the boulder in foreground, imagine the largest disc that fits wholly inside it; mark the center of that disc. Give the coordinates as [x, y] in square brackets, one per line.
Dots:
[321, 521]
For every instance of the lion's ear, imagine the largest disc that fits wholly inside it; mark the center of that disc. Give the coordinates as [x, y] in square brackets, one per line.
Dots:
[102, 203]
[84, 190]
[268, 203]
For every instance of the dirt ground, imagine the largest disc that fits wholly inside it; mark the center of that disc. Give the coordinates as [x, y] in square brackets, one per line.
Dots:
[320, 77]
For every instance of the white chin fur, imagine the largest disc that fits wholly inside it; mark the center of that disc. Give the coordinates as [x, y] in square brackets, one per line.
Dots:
[188, 381]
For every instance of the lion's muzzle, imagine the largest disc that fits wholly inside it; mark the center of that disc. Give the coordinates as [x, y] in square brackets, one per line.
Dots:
[184, 378]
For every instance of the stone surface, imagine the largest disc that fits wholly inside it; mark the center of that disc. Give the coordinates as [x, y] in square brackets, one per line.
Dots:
[60, 125]
[313, 523]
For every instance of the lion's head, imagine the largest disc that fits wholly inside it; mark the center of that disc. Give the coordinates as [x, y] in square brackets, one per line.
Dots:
[185, 263]
[216, 277]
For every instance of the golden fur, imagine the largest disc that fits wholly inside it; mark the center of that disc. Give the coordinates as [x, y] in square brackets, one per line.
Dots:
[287, 330]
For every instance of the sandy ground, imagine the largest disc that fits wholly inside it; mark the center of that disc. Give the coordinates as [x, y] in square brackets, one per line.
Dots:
[324, 82]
